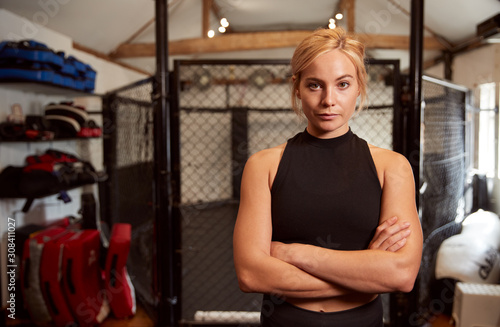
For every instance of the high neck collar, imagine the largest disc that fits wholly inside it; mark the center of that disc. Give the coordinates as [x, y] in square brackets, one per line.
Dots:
[324, 143]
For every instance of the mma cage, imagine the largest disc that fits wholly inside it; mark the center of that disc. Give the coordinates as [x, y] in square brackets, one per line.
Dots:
[223, 111]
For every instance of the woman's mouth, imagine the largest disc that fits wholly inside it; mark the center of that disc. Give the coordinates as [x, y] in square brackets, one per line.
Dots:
[328, 116]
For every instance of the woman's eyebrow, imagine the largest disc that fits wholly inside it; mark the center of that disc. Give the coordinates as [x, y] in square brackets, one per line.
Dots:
[313, 79]
[345, 76]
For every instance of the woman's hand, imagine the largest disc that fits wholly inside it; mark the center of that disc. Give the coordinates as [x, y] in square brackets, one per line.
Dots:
[390, 236]
[392, 259]
[256, 269]
[280, 250]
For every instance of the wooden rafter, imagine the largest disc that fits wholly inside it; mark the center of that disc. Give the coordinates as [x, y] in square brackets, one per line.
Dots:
[259, 41]
[447, 44]
[133, 36]
[216, 12]
[205, 25]
[210, 7]
[105, 57]
[251, 41]
[347, 7]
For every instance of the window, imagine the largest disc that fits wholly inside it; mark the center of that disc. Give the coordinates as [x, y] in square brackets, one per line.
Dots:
[487, 130]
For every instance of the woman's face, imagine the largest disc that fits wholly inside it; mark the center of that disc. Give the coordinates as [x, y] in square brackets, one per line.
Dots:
[328, 91]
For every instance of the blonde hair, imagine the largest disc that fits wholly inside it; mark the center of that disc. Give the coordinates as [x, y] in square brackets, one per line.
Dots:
[320, 42]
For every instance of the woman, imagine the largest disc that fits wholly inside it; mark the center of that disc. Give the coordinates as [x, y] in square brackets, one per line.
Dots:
[326, 222]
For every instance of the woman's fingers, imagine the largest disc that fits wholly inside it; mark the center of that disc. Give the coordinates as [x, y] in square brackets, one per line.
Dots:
[390, 235]
[397, 241]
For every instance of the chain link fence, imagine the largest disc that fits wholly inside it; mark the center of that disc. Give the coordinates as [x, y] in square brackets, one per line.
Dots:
[127, 195]
[443, 154]
[229, 110]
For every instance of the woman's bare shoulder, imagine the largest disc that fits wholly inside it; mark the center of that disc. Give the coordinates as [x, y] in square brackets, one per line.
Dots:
[387, 158]
[391, 166]
[267, 156]
[265, 163]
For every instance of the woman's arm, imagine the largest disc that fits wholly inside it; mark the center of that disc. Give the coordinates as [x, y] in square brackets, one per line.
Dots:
[257, 271]
[372, 270]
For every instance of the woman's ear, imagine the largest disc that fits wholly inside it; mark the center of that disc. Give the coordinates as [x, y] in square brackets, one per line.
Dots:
[297, 93]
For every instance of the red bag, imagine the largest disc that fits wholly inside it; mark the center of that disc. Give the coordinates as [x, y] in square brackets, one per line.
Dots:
[51, 156]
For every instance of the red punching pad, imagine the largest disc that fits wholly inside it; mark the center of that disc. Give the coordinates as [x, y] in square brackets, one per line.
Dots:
[120, 290]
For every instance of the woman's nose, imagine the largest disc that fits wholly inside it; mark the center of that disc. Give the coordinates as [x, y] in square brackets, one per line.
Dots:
[329, 98]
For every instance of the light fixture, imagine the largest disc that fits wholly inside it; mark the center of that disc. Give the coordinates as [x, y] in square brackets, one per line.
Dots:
[211, 33]
[489, 30]
[224, 22]
[331, 23]
[339, 16]
[222, 29]
[260, 78]
[202, 79]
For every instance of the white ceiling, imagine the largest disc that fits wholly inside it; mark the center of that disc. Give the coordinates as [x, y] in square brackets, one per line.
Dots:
[103, 25]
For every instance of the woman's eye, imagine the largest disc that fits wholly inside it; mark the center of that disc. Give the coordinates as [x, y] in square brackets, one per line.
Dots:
[314, 86]
[343, 85]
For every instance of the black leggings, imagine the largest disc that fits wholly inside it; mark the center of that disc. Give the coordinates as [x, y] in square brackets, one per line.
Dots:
[277, 313]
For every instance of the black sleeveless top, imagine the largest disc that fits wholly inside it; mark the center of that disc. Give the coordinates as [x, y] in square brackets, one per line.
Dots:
[326, 193]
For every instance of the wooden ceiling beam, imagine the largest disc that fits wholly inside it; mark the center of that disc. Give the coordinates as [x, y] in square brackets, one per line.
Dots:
[133, 36]
[217, 13]
[396, 42]
[259, 41]
[107, 58]
[206, 9]
[347, 8]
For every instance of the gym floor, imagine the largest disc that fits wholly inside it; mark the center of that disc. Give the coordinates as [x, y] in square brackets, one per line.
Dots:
[141, 319]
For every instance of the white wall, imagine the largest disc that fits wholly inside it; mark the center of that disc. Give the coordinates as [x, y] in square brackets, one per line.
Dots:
[473, 68]
[109, 76]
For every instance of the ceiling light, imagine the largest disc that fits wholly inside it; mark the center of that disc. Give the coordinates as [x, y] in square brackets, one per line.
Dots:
[224, 22]
[332, 26]
[339, 16]
[222, 29]
[332, 21]
[211, 33]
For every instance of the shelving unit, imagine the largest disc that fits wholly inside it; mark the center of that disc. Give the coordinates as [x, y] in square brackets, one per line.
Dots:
[43, 88]
[48, 89]
[33, 96]
[51, 140]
